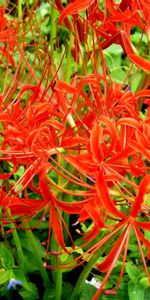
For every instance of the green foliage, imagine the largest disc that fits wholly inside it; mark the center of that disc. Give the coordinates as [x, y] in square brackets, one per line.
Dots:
[4, 276]
[31, 292]
[42, 55]
[6, 258]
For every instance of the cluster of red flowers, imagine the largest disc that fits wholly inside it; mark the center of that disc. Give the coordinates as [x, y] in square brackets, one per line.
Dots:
[88, 132]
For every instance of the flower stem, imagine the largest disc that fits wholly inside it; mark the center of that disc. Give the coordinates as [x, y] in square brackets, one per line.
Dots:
[58, 287]
[20, 9]
[38, 259]
[53, 28]
[17, 243]
[69, 58]
[56, 274]
[18, 247]
[84, 274]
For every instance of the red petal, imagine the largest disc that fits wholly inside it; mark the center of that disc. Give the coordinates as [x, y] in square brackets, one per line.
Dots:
[140, 62]
[104, 266]
[75, 7]
[136, 208]
[83, 167]
[95, 214]
[144, 225]
[57, 228]
[95, 143]
[104, 196]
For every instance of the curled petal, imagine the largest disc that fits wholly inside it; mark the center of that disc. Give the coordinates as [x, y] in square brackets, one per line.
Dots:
[75, 7]
[57, 227]
[104, 266]
[111, 260]
[144, 225]
[105, 198]
[140, 148]
[140, 62]
[130, 122]
[95, 213]
[45, 191]
[95, 142]
[81, 166]
[136, 208]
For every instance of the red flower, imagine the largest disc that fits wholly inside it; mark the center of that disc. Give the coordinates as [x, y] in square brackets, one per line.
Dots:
[75, 7]
[7, 37]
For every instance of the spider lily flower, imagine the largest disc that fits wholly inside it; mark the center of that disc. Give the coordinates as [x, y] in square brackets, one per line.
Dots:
[83, 208]
[19, 206]
[75, 7]
[116, 23]
[122, 242]
[120, 246]
[91, 125]
[8, 37]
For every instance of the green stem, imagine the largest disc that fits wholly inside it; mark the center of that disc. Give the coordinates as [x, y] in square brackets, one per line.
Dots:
[53, 28]
[18, 247]
[20, 9]
[18, 244]
[38, 259]
[69, 58]
[56, 274]
[58, 287]
[66, 216]
[84, 274]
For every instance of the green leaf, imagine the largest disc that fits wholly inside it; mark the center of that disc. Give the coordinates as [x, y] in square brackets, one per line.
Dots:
[114, 49]
[31, 292]
[68, 258]
[19, 172]
[19, 275]
[144, 282]
[6, 258]
[136, 82]
[4, 276]
[147, 294]
[135, 291]
[65, 259]
[132, 271]
[32, 267]
[28, 246]
[118, 74]
[67, 290]
[49, 294]
[87, 292]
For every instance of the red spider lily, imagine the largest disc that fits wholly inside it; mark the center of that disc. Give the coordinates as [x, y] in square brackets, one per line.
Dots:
[19, 206]
[105, 199]
[87, 132]
[121, 245]
[75, 7]
[31, 208]
[116, 22]
[101, 151]
[136, 208]
[122, 242]
[83, 208]
[7, 37]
